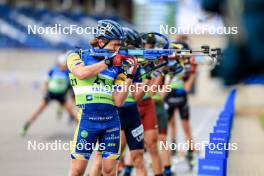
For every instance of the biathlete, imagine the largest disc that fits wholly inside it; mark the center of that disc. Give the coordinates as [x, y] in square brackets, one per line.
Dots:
[177, 99]
[148, 116]
[92, 79]
[56, 88]
[162, 123]
[132, 132]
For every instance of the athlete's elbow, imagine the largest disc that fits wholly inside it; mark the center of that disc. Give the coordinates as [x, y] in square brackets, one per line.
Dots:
[80, 75]
[138, 97]
[119, 103]
[85, 75]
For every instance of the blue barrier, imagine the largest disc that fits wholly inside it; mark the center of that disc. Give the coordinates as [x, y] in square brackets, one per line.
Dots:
[221, 129]
[223, 124]
[214, 153]
[215, 161]
[212, 167]
[219, 138]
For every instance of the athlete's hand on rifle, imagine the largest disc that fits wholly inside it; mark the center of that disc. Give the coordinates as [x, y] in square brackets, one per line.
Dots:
[148, 69]
[132, 67]
[115, 61]
[118, 60]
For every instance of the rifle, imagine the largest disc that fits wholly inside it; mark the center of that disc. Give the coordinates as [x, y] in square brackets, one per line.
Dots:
[152, 55]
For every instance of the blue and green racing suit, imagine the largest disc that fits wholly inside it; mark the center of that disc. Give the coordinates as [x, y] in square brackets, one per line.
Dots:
[99, 120]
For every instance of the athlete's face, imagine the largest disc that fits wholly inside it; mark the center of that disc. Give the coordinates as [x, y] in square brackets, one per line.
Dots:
[114, 45]
[149, 46]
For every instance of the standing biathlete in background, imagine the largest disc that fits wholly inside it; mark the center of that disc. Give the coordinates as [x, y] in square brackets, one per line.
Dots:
[181, 84]
[158, 98]
[56, 88]
[132, 130]
[92, 80]
[162, 123]
[148, 116]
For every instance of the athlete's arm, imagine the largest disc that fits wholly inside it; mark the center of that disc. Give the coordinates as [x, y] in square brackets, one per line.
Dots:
[81, 71]
[166, 88]
[45, 87]
[139, 93]
[189, 82]
[164, 91]
[153, 87]
[157, 82]
[47, 79]
[120, 96]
